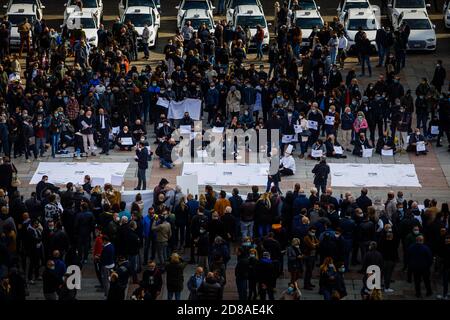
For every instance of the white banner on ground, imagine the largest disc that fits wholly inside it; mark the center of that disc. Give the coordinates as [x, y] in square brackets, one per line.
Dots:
[178, 108]
[64, 172]
[228, 174]
[387, 153]
[373, 175]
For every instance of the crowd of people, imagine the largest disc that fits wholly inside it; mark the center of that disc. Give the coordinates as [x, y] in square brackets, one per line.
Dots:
[101, 99]
[267, 234]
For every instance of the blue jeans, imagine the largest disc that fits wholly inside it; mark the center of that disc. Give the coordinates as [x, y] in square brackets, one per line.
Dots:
[55, 142]
[170, 295]
[333, 55]
[247, 229]
[263, 229]
[364, 60]
[40, 146]
[242, 287]
[303, 147]
[259, 51]
[166, 163]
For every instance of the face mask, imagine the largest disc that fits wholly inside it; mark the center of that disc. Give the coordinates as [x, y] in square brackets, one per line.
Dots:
[202, 231]
[290, 290]
[342, 269]
[360, 118]
[246, 113]
[329, 110]
[247, 244]
[416, 232]
[117, 219]
[306, 87]
[252, 256]
[289, 114]
[331, 266]
[312, 234]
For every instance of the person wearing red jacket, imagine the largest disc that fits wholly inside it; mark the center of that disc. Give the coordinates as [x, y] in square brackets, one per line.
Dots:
[97, 252]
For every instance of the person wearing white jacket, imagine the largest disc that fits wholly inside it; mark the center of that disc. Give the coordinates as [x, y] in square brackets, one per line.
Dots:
[287, 165]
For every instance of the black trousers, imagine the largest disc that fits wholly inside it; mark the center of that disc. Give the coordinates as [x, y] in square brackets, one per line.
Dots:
[420, 275]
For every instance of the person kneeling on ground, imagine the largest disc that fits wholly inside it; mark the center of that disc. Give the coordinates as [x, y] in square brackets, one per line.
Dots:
[330, 145]
[415, 140]
[386, 142]
[287, 165]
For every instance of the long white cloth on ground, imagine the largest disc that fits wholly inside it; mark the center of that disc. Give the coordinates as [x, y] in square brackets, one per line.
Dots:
[373, 175]
[178, 108]
[228, 174]
[64, 172]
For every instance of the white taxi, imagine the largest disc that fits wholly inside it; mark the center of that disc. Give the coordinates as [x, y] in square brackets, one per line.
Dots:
[186, 5]
[422, 35]
[365, 19]
[94, 7]
[307, 20]
[251, 16]
[197, 17]
[19, 10]
[139, 17]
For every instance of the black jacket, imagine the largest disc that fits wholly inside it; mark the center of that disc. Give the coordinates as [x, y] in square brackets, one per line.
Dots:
[142, 158]
[321, 172]
[210, 289]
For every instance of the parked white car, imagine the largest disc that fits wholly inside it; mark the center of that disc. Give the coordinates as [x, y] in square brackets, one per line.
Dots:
[139, 17]
[396, 7]
[365, 19]
[186, 5]
[17, 11]
[197, 17]
[423, 34]
[231, 5]
[347, 5]
[251, 16]
[301, 5]
[85, 21]
[125, 4]
[446, 11]
[94, 7]
[307, 20]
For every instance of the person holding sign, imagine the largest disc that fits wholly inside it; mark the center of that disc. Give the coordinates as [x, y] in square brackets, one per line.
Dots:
[315, 121]
[125, 139]
[417, 143]
[334, 149]
[332, 121]
[360, 144]
[318, 150]
[165, 131]
[301, 128]
[386, 143]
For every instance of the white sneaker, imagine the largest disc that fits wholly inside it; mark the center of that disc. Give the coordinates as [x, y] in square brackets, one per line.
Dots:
[389, 290]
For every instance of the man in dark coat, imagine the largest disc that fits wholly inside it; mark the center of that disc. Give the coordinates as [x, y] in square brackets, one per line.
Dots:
[420, 260]
[321, 172]
[439, 76]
